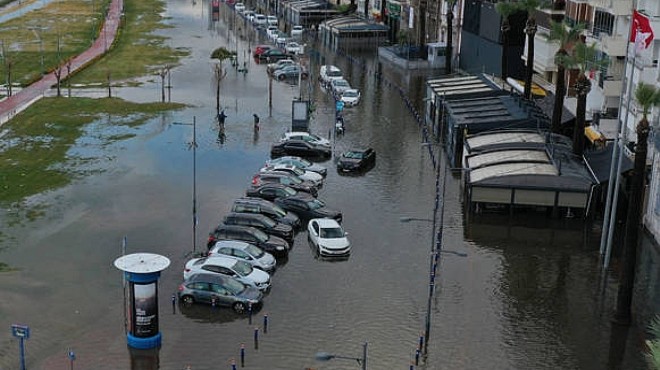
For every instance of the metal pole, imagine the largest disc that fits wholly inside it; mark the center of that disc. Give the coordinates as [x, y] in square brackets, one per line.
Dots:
[364, 356]
[194, 184]
[22, 352]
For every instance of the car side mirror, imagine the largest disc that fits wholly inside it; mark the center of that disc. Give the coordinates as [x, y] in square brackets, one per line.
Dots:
[345, 233]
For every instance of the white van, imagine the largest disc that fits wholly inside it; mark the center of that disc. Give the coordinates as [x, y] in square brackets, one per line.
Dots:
[259, 20]
[329, 73]
[271, 20]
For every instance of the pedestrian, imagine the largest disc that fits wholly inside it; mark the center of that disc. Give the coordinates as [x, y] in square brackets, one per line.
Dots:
[256, 122]
[173, 304]
[221, 118]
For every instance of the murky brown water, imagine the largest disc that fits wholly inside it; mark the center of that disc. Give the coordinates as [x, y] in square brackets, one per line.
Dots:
[527, 296]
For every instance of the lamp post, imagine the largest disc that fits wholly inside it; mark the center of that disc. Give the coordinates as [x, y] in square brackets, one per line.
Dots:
[194, 199]
[325, 356]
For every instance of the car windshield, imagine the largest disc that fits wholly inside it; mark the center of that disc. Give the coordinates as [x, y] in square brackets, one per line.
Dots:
[267, 221]
[332, 233]
[350, 94]
[289, 191]
[354, 155]
[315, 204]
[279, 210]
[340, 83]
[242, 268]
[234, 286]
[294, 180]
[334, 73]
[254, 251]
[302, 163]
[260, 235]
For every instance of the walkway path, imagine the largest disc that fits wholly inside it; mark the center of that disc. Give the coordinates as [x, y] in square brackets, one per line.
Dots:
[21, 100]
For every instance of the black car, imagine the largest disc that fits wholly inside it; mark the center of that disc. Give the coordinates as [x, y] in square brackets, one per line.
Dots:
[278, 177]
[308, 208]
[261, 222]
[271, 191]
[274, 245]
[356, 160]
[300, 148]
[272, 56]
[266, 208]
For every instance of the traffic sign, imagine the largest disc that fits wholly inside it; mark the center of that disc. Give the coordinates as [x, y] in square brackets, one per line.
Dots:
[20, 331]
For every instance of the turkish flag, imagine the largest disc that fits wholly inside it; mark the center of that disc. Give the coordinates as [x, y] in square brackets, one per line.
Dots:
[641, 33]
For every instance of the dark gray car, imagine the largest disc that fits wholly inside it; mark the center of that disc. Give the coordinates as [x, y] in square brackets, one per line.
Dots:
[267, 208]
[278, 177]
[219, 290]
[274, 245]
[261, 222]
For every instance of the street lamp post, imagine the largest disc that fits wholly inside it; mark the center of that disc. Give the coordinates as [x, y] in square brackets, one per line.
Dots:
[194, 198]
[325, 356]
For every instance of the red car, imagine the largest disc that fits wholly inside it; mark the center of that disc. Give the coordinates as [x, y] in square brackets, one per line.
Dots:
[260, 49]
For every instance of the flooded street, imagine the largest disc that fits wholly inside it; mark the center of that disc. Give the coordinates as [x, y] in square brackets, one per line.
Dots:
[527, 295]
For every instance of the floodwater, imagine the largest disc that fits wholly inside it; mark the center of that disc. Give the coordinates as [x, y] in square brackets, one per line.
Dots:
[528, 295]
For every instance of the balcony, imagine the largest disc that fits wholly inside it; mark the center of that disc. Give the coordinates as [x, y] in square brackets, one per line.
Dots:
[611, 87]
[615, 7]
[613, 46]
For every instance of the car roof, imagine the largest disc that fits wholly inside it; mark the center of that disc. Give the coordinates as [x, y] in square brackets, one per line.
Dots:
[326, 222]
[235, 227]
[206, 278]
[231, 244]
[245, 215]
[253, 200]
[272, 185]
[220, 260]
[357, 150]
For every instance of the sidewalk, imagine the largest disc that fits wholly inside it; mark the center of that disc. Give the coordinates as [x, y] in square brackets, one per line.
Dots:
[21, 100]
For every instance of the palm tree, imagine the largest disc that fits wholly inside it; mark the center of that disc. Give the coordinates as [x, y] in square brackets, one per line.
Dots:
[221, 54]
[647, 96]
[653, 344]
[450, 35]
[530, 6]
[566, 37]
[505, 9]
[585, 59]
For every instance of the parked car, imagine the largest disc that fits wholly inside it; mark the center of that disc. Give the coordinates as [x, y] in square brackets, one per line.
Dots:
[270, 191]
[297, 31]
[261, 222]
[272, 20]
[272, 55]
[272, 67]
[274, 245]
[307, 208]
[239, 7]
[338, 86]
[249, 15]
[351, 97]
[313, 177]
[356, 160]
[239, 270]
[271, 30]
[260, 20]
[328, 237]
[306, 136]
[300, 148]
[221, 290]
[300, 163]
[267, 208]
[329, 73]
[245, 252]
[260, 49]
[287, 179]
[294, 48]
[281, 39]
[289, 72]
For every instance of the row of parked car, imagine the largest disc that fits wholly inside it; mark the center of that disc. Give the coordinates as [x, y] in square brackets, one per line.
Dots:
[258, 230]
[332, 79]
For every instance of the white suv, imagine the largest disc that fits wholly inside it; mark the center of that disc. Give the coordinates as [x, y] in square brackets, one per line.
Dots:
[237, 269]
[259, 20]
[329, 73]
[272, 20]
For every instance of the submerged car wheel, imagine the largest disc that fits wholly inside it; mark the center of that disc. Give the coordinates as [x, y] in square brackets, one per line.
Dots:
[188, 300]
[239, 307]
[281, 77]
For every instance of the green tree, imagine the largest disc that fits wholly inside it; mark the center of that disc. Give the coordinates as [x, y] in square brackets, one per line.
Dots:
[653, 344]
[562, 34]
[585, 59]
[221, 54]
[505, 9]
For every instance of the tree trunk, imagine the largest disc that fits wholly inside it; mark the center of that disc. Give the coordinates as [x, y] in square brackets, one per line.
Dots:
[633, 220]
[530, 30]
[450, 37]
[506, 27]
[582, 87]
[560, 92]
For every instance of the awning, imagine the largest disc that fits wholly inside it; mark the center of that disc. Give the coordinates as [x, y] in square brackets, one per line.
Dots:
[594, 135]
[537, 90]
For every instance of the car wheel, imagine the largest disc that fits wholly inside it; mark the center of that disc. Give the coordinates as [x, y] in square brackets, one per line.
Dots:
[239, 307]
[187, 299]
[281, 77]
[304, 75]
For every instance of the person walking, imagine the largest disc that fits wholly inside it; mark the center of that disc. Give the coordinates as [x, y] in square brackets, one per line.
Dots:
[221, 118]
[256, 122]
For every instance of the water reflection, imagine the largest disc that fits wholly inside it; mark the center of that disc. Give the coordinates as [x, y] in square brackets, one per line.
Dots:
[144, 359]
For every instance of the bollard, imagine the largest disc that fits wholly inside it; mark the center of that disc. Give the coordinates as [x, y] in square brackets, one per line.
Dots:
[265, 323]
[242, 355]
[256, 337]
[173, 304]
[233, 364]
[250, 314]
[421, 343]
[416, 358]
[412, 367]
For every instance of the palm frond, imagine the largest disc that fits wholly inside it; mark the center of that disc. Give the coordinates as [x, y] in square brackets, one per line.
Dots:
[506, 8]
[647, 96]
[586, 58]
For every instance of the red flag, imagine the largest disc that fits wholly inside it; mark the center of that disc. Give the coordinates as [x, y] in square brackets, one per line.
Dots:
[641, 32]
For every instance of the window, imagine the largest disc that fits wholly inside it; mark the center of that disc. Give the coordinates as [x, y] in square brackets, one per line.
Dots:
[603, 23]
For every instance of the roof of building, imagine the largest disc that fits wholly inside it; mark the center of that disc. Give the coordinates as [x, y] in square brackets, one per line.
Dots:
[462, 86]
[353, 23]
[495, 113]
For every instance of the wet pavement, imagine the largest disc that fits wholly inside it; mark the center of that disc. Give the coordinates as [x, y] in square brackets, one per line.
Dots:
[528, 295]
